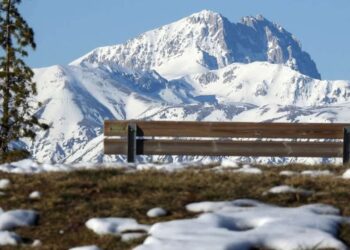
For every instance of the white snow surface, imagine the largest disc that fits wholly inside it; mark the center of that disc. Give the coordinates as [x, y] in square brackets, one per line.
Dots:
[288, 189]
[92, 247]
[35, 195]
[247, 224]
[9, 238]
[30, 166]
[4, 183]
[288, 173]
[346, 174]
[247, 169]
[13, 219]
[316, 173]
[228, 163]
[132, 236]
[115, 226]
[156, 212]
[17, 218]
[37, 243]
[168, 167]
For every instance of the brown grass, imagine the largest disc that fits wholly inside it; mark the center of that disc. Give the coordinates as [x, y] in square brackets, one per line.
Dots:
[70, 199]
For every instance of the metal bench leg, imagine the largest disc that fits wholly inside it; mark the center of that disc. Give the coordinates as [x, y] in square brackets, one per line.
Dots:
[132, 130]
[346, 146]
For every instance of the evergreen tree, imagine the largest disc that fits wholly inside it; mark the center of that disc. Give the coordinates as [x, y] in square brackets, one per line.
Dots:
[16, 86]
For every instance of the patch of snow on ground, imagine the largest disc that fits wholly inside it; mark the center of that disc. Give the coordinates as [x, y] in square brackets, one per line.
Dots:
[115, 226]
[17, 218]
[35, 195]
[132, 236]
[169, 167]
[9, 238]
[93, 247]
[227, 163]
[346, 174]
[29, 166]
[4, 183]
[13, 219]
[247, 224]
[37, 243]
[156, 212]
[247, 169]
[288, 173]
[316, 173]
[288, 189]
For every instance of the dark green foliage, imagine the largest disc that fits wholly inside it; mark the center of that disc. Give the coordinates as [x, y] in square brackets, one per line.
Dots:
[16, 86]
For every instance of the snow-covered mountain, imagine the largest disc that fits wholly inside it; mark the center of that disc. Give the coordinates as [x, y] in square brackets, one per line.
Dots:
[205, 40]
[202, 67]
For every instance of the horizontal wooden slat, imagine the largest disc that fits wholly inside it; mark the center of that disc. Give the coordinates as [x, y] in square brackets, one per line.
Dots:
[228, 148]
[229, 129]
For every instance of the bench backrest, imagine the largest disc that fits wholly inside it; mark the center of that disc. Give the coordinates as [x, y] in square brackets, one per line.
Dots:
[226, 139]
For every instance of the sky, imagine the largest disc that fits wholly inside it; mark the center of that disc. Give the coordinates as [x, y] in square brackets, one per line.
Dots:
[67, 29]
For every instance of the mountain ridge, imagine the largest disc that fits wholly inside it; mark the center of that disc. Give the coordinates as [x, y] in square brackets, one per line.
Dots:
[194, 37]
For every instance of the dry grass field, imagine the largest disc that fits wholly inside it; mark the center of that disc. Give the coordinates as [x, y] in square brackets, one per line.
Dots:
[70, 199]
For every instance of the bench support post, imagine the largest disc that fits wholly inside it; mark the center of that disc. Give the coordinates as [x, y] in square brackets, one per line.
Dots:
[346, 147]
[132, 130]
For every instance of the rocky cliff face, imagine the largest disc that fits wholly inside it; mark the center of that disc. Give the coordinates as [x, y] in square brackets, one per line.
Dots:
[205, 40]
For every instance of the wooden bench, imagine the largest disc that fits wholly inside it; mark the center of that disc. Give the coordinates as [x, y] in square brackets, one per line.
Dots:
[133, 138]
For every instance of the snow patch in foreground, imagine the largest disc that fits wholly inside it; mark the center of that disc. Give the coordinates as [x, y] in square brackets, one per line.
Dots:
[115, 226]
[247, 169]
[316, 173]
[346, 174]
[9, 238]
[228, 163]
[28, 166]
[86, 248]
[246, 224]
[4, 183]
[288, 189]
[168, 167]
[17, 218]
[156, 212]
[132, 236]
[13, 219]
[34, 195]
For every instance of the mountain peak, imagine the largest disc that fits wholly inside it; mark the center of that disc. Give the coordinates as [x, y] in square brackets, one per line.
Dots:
[205, 16]
[205, 40]
[254, 20]
[206, 13]
[259, 19]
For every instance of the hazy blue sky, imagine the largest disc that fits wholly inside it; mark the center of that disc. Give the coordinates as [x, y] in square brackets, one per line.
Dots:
[67, 29]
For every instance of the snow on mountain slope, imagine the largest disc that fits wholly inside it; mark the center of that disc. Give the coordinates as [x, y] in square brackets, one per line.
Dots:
[204, 40]
[249, 113]
[262, 83]
[76, 101]
[202, 67]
